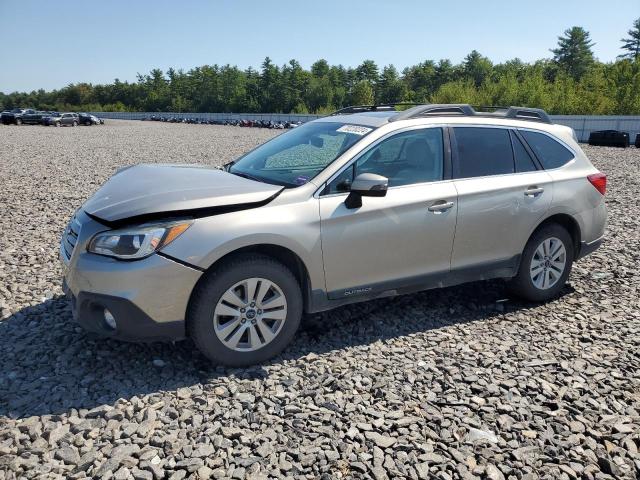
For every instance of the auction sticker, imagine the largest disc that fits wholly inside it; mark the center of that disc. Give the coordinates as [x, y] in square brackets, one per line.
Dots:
[355, 129]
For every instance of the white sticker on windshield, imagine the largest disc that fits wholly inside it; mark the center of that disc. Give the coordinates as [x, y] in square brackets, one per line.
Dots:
[355, 129]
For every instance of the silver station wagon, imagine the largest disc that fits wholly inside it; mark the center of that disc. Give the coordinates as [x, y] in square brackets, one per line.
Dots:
[365, 203]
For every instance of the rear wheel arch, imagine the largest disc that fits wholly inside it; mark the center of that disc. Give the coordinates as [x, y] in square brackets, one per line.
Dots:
[545, 264]
[567, 222]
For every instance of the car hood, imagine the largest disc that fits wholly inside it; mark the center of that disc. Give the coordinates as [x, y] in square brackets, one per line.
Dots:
[144, 192]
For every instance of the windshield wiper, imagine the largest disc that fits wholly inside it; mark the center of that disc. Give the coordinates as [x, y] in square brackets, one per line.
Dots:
[246, 175]
[270, 181]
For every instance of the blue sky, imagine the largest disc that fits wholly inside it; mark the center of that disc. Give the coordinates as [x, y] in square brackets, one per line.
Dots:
[48, 44]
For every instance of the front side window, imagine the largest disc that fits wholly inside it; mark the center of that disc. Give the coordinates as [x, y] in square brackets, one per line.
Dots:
[412, 157]
[295, 157]
[482, 152]
[550, 152]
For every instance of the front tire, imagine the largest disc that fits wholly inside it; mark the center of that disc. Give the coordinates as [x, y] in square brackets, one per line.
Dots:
[18, 121]
[545, 264]
[245, 312]
[75, 124]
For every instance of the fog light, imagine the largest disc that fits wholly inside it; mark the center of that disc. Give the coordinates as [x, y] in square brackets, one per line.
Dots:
[109, 320]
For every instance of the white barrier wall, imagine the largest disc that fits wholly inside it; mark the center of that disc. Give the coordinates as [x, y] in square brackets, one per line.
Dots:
[585, 124]
[582, 124]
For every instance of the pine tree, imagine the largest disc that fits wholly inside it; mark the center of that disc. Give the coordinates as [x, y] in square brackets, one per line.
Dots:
[362, 93]
[390, 88]
[477, 68]
[574, 52]
[632, 44]
[367, 70]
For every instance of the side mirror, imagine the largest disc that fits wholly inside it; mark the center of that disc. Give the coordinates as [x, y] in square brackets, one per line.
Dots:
[366, 185]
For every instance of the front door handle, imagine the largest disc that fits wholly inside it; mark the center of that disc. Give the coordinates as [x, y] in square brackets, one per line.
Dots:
[440, 206]
[533, 191]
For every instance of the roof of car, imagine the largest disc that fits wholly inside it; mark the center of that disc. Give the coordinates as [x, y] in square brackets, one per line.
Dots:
[377, 119]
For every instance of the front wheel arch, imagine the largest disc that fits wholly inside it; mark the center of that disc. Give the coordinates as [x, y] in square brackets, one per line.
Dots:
[281, 254]
[211, 285]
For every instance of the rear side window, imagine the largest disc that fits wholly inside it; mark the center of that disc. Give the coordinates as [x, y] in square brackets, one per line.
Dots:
[550, 152]
[524, 162]
[482, 152]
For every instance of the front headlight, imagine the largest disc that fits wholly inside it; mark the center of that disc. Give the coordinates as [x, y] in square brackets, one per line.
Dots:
[137, 242]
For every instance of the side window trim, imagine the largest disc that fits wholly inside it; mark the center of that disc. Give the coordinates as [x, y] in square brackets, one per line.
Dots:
[447, 171]
[526, 146]
[446, 168]
[455, 160]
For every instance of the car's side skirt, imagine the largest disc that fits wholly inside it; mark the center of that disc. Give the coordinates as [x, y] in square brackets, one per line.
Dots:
[320, 300]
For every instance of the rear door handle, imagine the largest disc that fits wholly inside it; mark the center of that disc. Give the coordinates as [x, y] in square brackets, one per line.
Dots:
[440, 206]
[533, 191]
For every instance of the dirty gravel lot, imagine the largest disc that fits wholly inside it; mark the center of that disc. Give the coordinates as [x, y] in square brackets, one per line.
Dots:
[456, 383]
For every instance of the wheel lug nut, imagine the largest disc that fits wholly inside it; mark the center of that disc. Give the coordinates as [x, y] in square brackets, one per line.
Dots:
[242, 321]
[253, 322]
[259, 312]
[242, 310]
[253, 304]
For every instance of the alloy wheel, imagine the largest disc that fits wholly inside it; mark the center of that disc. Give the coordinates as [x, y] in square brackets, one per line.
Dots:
[250, 314]
[548, 263]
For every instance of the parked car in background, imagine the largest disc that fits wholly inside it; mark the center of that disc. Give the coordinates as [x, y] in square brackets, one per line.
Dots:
[609, 138]
[88, 119]
[45, 118]
[638, 140]
[366, 203]
[15, 115]
[35, 118]
[62, 119]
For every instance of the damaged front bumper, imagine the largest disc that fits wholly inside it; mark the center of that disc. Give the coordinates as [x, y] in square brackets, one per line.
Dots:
[141, 300]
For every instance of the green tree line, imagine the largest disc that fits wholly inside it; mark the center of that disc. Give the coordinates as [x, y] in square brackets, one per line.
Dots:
[572, 82]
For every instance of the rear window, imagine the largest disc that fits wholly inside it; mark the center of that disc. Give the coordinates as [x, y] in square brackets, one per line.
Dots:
[483, 152]
[552, 154]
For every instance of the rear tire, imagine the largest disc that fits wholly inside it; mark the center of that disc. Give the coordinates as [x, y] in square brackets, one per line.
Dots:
[18, 121]
[58, 124]
[545, 264]
[248, 334]
[75, 124]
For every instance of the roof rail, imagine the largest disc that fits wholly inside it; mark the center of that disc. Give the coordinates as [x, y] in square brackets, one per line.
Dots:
[383, 107]
[466, 110]
[525, 113]
[439, 109]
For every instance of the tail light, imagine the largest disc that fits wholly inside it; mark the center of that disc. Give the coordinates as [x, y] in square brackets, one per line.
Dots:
[599, 180]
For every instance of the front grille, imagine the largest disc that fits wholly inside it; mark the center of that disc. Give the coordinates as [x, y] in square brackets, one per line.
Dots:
[70, 238]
